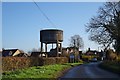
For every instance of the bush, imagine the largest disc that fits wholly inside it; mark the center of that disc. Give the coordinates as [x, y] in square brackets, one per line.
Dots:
[13, 63]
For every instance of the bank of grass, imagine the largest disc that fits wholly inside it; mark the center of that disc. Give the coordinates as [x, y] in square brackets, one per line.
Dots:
[113, 66]
[47, 71]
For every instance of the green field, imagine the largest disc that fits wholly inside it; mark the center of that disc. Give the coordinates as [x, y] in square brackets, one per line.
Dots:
[48, 71]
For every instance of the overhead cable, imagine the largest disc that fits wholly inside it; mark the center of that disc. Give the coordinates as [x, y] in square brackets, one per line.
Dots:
[44, 14]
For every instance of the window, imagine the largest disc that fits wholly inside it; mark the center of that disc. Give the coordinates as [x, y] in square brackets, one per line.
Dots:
[10, 53]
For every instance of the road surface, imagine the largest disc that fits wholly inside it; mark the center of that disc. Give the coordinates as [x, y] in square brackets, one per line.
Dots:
[91, 71]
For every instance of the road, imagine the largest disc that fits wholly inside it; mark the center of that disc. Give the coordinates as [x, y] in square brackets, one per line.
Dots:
[91, 71]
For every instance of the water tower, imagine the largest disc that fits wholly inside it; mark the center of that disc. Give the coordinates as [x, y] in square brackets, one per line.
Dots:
[51, 36]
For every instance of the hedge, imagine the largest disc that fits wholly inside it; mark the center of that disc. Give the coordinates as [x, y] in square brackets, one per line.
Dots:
[113, 66]
[14, 63]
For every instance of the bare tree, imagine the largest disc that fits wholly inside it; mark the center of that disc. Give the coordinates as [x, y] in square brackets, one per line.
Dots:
[105, 27]
[76, 41]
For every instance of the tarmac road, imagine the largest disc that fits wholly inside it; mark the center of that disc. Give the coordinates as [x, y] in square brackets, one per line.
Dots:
[90, 71]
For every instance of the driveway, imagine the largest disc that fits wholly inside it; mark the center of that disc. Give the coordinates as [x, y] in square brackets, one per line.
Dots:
[89, 71]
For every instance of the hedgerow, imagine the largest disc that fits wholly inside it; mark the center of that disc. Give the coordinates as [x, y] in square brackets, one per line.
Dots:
[14, 63]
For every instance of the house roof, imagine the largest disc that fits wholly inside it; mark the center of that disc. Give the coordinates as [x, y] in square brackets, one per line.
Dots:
[7, 52]
[35, 54]
[72, 48]
[91, 52]
[64, 48]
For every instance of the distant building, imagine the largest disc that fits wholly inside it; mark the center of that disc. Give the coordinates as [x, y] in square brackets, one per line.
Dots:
[38, 54]
[13, 52]
[35, 54]
[72, 53]
[53, 52]
[65, 52]
[95, 54]
[0, 53]
[91, 52]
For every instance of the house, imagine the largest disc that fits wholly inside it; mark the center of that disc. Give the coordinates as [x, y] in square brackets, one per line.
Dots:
[13, 52]
[53, 53]
[38, 54]
[94, 54]
[72, 53]
[0, 53]
[64, 52]
[91, 52]
[35, 54]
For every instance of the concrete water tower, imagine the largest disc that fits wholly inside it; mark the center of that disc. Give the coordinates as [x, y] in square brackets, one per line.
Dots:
[51, 36]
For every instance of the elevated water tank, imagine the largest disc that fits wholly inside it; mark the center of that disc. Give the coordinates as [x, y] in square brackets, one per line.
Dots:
[51, 36]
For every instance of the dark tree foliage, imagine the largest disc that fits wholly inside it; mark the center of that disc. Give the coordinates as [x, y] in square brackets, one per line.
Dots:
[76, 41]
[105, 27]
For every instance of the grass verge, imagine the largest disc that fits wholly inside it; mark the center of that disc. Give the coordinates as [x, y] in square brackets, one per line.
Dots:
[113, 66]
[47, 71]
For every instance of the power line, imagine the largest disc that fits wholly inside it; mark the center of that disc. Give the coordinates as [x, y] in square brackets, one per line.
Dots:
[44, 14]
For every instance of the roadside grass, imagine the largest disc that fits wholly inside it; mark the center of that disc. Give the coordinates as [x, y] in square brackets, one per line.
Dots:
[113, 66]
[47, 71]
[73, 64]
